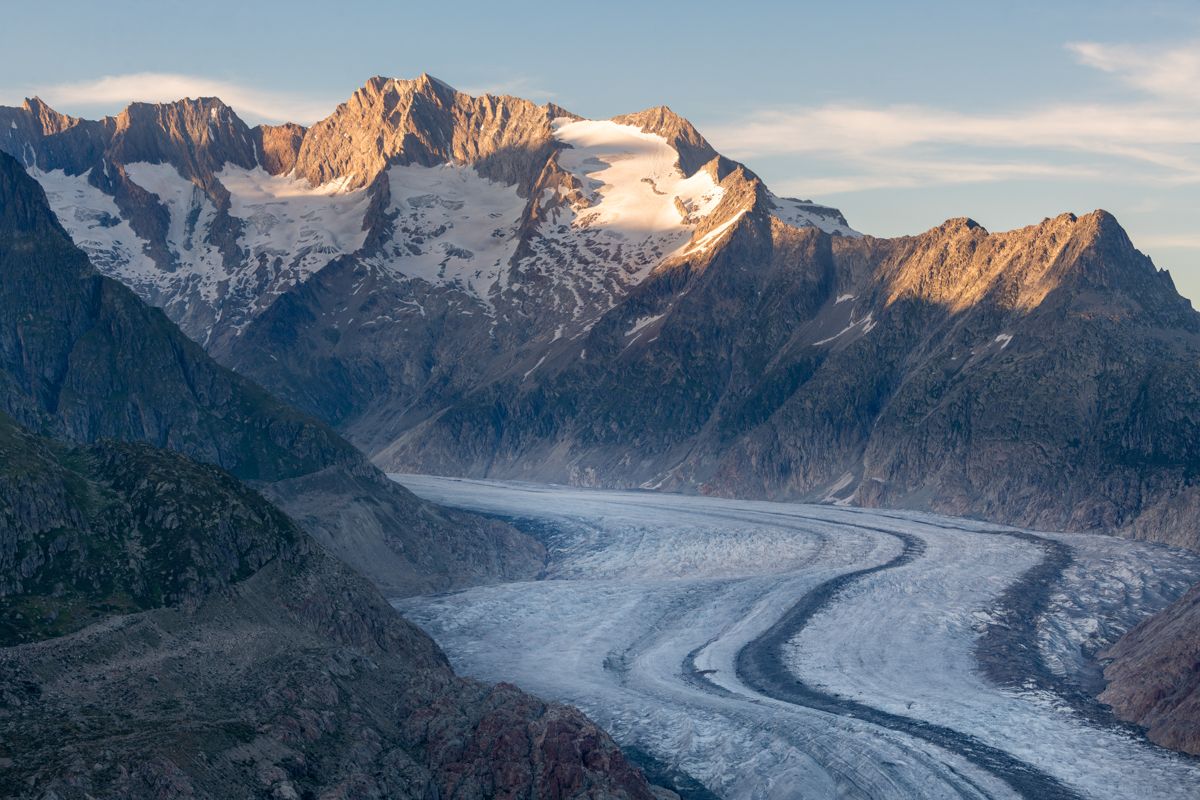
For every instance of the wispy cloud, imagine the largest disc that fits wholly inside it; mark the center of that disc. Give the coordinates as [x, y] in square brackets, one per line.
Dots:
[1170, 73]
[1183, 241]
[906, 173]
[113, 92]
[1153, 138]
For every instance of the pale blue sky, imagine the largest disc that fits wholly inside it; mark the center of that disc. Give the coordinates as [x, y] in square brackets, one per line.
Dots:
[902, 115]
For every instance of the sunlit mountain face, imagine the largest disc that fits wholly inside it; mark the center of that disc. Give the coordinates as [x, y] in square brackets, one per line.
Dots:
[786, 508]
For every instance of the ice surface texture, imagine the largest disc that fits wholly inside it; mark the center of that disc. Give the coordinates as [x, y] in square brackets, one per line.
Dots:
[649, 599]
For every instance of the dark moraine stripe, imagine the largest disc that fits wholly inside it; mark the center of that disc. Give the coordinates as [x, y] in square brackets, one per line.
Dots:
[760, 666]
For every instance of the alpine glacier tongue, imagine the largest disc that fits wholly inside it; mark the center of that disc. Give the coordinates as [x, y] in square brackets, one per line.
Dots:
[650, 601]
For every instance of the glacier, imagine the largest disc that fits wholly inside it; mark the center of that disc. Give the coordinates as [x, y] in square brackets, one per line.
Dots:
[651, 604]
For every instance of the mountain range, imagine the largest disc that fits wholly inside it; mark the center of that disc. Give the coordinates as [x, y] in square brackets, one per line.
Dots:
[489, 287]
[483, 286]
[167, 631]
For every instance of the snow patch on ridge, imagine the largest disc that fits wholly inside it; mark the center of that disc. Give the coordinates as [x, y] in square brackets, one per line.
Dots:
[805, 214]
[633, 210]
[642, 322]
[867, 323]
[95, 225]
[452, 226]
[633, 182]
[287, 218]
[712, 237]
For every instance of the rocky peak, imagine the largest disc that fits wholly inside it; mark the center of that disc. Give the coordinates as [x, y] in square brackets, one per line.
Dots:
[1107, 265]
[555, 111]
[694, 150]
[23, 207]
[48, 120]
[197, 136]
[424, 121]
[40, 136]
[956, 224]
[960, 264]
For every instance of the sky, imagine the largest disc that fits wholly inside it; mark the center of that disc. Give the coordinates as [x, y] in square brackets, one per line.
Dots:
[900, 114]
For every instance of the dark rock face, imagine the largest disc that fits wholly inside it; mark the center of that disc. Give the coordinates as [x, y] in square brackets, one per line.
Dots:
[83, 359]
[1043, 377]
[115, 528]
[166, 633]
[1154, 675]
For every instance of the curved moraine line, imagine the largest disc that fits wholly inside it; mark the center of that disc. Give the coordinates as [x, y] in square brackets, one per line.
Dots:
[639, 584]
[1008, 654]
[761, 667]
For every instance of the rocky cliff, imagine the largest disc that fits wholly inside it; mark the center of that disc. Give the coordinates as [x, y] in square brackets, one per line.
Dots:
[82, 358]
[485, 286]
[166, 633]
[1154, 675]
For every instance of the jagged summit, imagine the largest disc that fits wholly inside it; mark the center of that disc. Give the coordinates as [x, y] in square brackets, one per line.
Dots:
[694, 150]
[1067, 258]
[490, 286]
[532, 210]
[423, 121]
[23, 207]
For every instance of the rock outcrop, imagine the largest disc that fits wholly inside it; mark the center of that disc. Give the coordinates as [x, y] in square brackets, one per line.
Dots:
[508, 290]
[81, 358]
[165, 632]
[1154, 675]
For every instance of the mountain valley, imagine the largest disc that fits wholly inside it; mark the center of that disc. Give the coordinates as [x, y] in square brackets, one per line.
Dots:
[672, 410]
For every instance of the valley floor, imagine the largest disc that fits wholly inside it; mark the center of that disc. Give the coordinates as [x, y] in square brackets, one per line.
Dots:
[774, 650]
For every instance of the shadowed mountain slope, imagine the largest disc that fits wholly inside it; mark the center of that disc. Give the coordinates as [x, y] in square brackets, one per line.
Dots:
[165, 632]
[82, 358]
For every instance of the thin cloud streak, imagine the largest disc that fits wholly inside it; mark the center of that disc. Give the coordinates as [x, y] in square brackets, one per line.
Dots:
[859, 129]
[1154, 139]
[1146, 134]
[1170, 73]
[1183, 241]
[113, 92]
[908, 174]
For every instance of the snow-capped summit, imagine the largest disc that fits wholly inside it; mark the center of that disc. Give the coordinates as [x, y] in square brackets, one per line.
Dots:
[489, 286]
[521, 208]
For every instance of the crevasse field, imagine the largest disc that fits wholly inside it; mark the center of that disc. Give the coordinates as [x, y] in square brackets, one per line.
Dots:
[773, 650]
